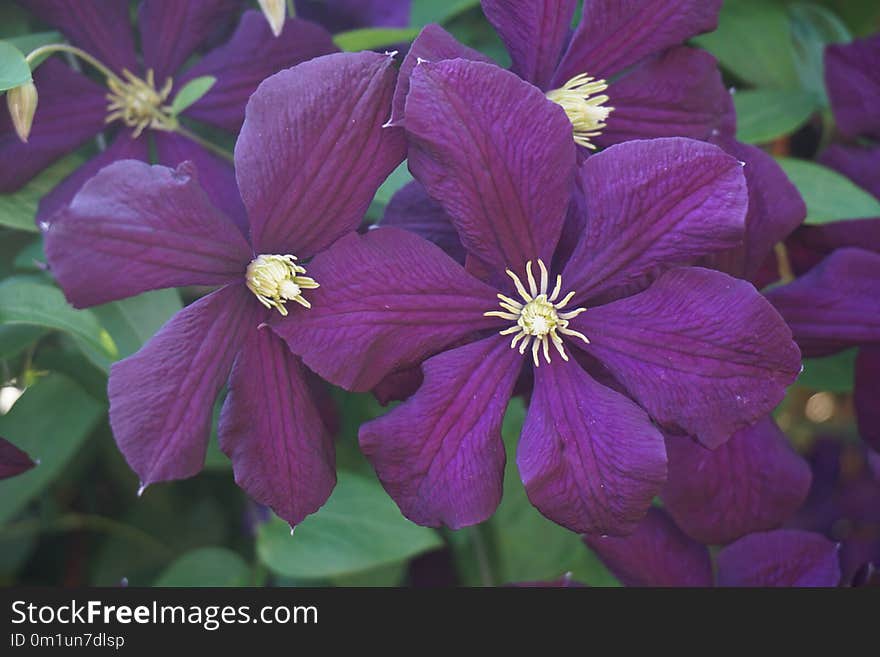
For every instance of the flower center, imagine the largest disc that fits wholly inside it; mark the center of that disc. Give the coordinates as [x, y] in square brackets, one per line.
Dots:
[276, 279]
[538, 319]
[138, 104]
[585, 110]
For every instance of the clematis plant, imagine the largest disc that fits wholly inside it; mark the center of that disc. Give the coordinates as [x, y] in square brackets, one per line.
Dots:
[310, 156]
[617, 333]
[13, 461]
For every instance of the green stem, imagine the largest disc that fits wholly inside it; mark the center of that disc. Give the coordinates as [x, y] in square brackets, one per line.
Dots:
[226, 155]
[482, 553]
[73, 50]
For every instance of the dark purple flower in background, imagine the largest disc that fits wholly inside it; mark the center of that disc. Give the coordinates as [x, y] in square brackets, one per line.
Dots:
[617, 332]
[73, 108]
[658, 553]
[13, 461]
[310, 156]
[341, 15]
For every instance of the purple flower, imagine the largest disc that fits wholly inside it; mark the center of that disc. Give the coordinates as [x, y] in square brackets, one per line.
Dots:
[13, 461]
[658, 553]
[73, 108]
[341, 15]
[616, 320]
[310, 156]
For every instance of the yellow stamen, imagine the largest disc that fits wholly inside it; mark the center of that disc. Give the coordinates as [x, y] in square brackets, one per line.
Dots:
[138, 104]
[277, 279]
[585, 109]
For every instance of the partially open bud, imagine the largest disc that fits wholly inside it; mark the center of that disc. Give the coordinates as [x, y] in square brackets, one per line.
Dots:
[22, 103]
[274, 11]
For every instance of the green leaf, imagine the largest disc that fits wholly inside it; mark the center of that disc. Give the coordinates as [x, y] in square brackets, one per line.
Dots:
[374, 38]
[398, 178]
[423, 12]
[31, 258]
[29, 42]
[19, 209]
[14, 70]
[15, 337]
[829, 196]
[25, 301]
[50, 422]
[210, 566]
[191, 92]
[765, 114]
[813, 27]
[360, 528]
[832, 373]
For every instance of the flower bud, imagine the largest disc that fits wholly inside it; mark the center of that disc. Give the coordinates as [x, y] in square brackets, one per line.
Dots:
[274, 11]
[22, 103]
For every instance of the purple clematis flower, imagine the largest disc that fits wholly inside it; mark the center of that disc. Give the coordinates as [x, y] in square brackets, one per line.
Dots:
[617, 332]
[13, 461]
[310, 156]
[341, 15]
[73, 108]
[658, 553]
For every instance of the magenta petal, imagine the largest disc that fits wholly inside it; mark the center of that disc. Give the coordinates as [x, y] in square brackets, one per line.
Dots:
[433, 44]
[71, 110]
[340, 15]
[835, 305]
[853, 80]
[504, 182]
[13, 461]
[651, 205]
[753, 482]
[867, 395]
[590, 459]
[136, 227]
[614, 34]
[657, 553]
[861, 164]
[281, 452]
[440, 453]
[676, 94]
[699, 350]
[785, 557]
[387, 301]
[535, 33]
[162, 397]
[251, 55]
[312, 151]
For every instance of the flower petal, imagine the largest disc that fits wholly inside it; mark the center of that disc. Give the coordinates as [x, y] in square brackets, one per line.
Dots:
[809, 245]
[162, 397]
[282, 454]
[440, 454]
[753, 482]
[835, 305]
[387, 301]
[250, 56]
[590, 459]
[657, 553]
[651, 205]
[134, 228]
[312, 151]
[699, 350]
[535, 33]
[860, 164]
[496, 154]
[853, 81]
[340, 15]
[13, 461]
[613, 34]
[784, 557]
[867, 395]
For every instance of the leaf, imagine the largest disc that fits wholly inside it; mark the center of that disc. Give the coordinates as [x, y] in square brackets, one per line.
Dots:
[423, 12]
[27, 43]
[31, 258]
[14, 70]
[374, 38]
[398, 178]
[832, 373]
[50, 421]
[360, 528]
[812, 28]
[191, 92]
[829, 196]
[19, 209]
[15, 337]
[25, 301]
[765, 114]
[206, 567]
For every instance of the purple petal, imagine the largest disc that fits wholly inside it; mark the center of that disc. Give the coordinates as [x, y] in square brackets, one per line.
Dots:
[13, 461]
[312, 151]
[251, 55]
[172, 30]
[100, 27]
[810, 244]
[651, 205]
[657, 554]
[162, 397]
[535, 33]
[853, 80]
[835, 305]
[590, 459]
[614, 34]
[676, 94]
[867, 395]
[781, 558]
[340, 15]
[496, 154]
[412, 209]
[700, 351]
[858, 163]
[387, 301]
[282, 454]
[753, 482]
[71, 110]
[134, 228]
[433, 44]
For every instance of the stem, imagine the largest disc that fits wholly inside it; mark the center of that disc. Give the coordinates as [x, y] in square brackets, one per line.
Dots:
[482, 553]
[204, 143]
[73, 50]
[786, 273]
